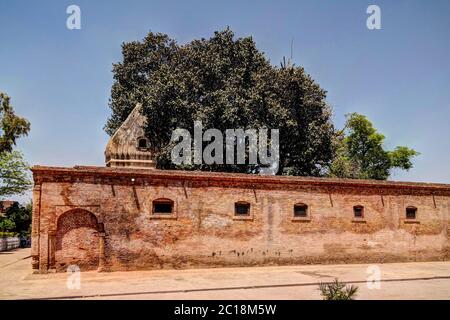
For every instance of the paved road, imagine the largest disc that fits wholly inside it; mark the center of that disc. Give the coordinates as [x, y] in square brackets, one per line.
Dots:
[418, 280]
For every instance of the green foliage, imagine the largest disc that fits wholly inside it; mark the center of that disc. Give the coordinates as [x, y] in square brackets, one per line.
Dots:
[21, 218]
[401, 157]
[337, 291]
[7, 234]
[360, 153]
[7, 224]
[14, 171]
[12, 126]
[132, 76]
[14, 174]
[226, 83]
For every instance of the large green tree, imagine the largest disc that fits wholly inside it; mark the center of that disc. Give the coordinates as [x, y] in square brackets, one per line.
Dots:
[361, 155]
[226, 83]
[17, 219]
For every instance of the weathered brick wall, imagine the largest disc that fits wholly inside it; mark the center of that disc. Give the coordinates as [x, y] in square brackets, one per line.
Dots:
[203, 231]
[77, 240]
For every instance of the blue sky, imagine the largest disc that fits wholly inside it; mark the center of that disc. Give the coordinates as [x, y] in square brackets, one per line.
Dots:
[398, 76]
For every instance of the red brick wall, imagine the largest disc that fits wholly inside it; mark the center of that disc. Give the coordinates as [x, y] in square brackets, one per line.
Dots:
[203, 230]
[77, 240]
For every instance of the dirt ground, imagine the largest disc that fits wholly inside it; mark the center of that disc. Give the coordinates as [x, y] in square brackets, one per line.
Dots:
[418, 280]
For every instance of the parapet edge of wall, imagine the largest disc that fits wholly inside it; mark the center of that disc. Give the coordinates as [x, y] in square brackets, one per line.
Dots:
[51, 174]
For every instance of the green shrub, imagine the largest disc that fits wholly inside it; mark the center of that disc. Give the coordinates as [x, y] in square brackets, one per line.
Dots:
[337, 291]
[6, 225]
[7, 234]
[17, 219]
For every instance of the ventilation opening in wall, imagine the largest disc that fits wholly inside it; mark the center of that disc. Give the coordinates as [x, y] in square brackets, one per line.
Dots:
[163, 206]
[411, 212]
[143, 144]
[242, 208]
[358, 211]
[300, 210]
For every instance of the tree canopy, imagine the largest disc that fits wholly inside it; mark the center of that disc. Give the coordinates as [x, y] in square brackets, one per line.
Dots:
[227, 83]
[14, 174]
[360, 152]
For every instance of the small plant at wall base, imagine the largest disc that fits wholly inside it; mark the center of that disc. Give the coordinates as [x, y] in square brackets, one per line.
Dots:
[337, 291]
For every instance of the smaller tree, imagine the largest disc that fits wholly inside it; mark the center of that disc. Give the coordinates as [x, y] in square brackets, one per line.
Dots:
[360, 153]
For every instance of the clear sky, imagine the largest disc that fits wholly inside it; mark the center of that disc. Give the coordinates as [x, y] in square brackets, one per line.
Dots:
[398, 76]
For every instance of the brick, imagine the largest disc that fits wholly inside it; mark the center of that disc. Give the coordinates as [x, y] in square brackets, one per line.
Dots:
[203, 232]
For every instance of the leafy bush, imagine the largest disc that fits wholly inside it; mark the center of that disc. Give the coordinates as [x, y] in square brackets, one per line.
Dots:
[6, 224]
[7, 234]
[337, 291]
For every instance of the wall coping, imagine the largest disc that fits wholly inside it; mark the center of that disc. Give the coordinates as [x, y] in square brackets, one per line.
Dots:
[42, 172]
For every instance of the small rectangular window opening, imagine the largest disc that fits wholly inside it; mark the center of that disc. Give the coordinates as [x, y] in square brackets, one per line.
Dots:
[241, 209]
[358, 211]
[300, 210]
[162, 207]
[411, 213]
